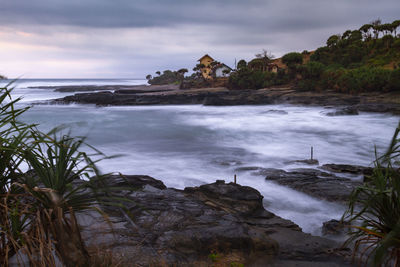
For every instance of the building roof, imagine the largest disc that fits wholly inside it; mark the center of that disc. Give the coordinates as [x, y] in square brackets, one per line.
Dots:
[223, 65]
[206, 55]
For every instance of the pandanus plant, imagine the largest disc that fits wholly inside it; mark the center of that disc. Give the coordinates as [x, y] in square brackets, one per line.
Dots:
[374, 210]
[45, 179]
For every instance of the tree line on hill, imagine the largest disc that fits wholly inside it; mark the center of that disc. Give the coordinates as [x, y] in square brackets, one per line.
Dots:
[367, 59]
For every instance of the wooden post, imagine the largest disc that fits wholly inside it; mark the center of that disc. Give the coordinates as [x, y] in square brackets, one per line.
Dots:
[312, 153]
[235, 179]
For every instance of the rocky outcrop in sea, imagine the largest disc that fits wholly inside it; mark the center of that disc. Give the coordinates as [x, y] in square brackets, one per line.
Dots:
[343, 104]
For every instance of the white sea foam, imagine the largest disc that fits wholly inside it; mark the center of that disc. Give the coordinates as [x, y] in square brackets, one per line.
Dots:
[192, 145]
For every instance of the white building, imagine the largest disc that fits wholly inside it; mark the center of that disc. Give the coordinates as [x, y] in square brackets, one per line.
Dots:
[219, 70]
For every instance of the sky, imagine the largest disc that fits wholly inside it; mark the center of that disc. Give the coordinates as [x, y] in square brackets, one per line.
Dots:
[133, 38]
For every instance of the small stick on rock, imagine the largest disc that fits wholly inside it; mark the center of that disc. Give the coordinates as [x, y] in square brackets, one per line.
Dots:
[312, 153]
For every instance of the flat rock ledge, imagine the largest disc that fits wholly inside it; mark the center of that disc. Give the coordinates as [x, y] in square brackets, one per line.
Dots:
[220, 96]
[322, 182]
[216, 224]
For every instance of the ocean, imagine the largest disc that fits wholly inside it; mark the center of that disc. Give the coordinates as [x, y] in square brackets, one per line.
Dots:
[189, 145]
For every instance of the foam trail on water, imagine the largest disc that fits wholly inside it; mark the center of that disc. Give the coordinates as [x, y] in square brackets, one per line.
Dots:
[192, 145]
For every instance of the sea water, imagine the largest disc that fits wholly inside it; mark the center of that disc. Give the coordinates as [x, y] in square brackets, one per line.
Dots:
[190, 145]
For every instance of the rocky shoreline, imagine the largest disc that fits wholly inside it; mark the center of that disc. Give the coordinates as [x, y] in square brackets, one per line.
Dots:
[170, 95]
[219, 224]
[323, 182]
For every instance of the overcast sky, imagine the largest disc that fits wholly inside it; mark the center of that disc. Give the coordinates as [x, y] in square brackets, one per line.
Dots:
[132, 38]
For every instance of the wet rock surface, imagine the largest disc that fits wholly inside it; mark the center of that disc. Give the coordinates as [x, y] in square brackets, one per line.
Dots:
[314, 182]
[317, 183]
[345, 168]
[167, 95]
[335, 227]
[184, 227]
[118, 88]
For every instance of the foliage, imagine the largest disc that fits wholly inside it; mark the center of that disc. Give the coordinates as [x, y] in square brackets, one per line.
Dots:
[362, 79]
[312, 70]
[246, 78]
[167, 77]
[37, 207]
[214, 256]
[292, 59]
[226, 71]
[198, 71]
[333, 40]
[183, 71]
[264, 58]
[356, 61]
[372, 45]
[374, 209]
[241, 64]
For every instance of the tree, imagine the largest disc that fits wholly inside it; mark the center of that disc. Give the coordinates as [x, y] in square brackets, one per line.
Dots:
[365, 30]
[385, 28]
[158, 72]
[313, 70]
[198, 69]
[241, 64]
[226, 71]
[346, 34]
[355, 36]
[2, 77]
[148, 77]
[181, 73]
[333, 40]
[395, 25]
[167, 77]
[375, 26]
[292, 59]
[266, 57]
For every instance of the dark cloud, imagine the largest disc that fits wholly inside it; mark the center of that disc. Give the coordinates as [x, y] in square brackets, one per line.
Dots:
[139, 36]
[295, 14]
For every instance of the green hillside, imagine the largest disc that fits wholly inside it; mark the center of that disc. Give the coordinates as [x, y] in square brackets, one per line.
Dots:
[367, 59]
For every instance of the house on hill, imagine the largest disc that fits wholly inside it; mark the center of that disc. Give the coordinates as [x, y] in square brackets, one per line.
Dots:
[206, 61]
[221, 70]
[213, 69]
[259, 64]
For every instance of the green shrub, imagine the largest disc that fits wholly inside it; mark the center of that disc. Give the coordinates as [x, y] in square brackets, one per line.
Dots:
[167, 77]
[245, 78]
[241, 64]
[364, 79]
[394, 80]
[312, 70]
[292, 59]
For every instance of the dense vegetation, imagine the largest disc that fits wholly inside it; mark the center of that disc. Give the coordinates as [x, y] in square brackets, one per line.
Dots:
[367, 59]
[246, 77]
[167, 77]
[41, 191]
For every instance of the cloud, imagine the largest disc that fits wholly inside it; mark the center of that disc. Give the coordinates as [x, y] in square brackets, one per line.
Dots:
[124, 38]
